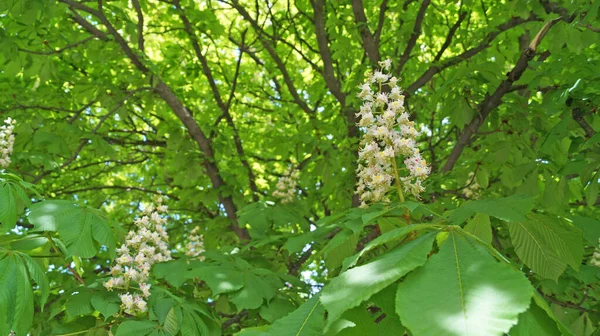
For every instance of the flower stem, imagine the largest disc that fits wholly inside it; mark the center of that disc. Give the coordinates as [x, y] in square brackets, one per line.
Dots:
[397, 177]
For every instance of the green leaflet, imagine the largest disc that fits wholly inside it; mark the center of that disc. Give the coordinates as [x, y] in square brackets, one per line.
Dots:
[590, 228]
[480, 227]
[77, 226]
[460, 291]
[12, 201]
[547, 245]
[307, 320]
[107, 303]
[510, 209]
[535, 321]
[16, 296]
[394, 235]
[138, 328]
[358, 284]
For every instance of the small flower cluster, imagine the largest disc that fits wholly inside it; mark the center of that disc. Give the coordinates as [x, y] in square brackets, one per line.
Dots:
[595, 260]
[286, 187]
[388, 133]
[471, 191]
[143, 247]
[7, 140]
[195, 245]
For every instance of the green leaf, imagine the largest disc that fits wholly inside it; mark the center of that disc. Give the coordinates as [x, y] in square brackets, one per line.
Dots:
[307, 320]
[37, 275]
[8, 206]
[480, 227]
[137, 328]
[77, 226]
[483, 177]
[107, 304]
[546, 246]
[339, 248]
[590, 228]
[16, 297]
[173, 321]
[79, 303]
[509, 209]
[358, 284]
[220, 279]
[535, 321]
[388, 237]
[462, 290]
[591, 192]
[277, 308]
[256, 289]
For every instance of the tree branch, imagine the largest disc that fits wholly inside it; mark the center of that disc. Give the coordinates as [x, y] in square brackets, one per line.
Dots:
[140, 24]
[493, 101]
[435, 69]
[369, 42]
[413, 36]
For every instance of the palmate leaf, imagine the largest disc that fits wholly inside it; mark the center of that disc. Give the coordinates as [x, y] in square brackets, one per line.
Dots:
[461, 291]
[78, 226]
[358, 284]
[546, 245]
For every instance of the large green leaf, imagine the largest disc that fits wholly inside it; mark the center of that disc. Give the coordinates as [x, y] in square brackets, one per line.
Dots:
[388, 237]
[460, 291]
[8, 205]
[307, 320]
[513, 208]
[590, 228]
[480, 227]
[138, 328]
[535, 321]
[358, 284]
[546, 245]
[77, 226]
[16, 296]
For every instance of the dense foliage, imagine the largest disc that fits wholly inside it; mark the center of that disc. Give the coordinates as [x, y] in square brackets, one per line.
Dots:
[181, 167]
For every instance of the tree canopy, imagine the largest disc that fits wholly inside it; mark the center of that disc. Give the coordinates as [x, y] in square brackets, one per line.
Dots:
[185, 167]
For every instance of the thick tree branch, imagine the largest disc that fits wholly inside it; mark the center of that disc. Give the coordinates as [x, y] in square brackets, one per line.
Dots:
[413, 36]
[224, 107]
[273, 53]
[140, 24]
[491, 102]
[450, 36]
[435, 69]
[165, 92]
[369, 41]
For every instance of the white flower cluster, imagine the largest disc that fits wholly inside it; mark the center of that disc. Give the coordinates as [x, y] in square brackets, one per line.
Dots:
[388, 134]
[595, 260]
[143, 247]
[471, 191]
[195, 245]
[286, 187]
[7, 140]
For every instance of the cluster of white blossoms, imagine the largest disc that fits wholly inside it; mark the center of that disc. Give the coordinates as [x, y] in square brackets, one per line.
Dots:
[195, 245]
[7, 140]
[595, 260]
[471, 191]
[143, 247]
[286, 186]
[388, 133]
